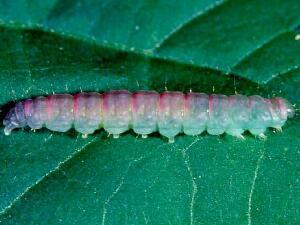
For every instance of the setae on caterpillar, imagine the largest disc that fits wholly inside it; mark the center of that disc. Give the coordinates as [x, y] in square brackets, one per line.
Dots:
[146, 112]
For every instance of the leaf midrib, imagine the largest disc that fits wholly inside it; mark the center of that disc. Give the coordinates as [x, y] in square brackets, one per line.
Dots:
[124, 49]
[152, 55]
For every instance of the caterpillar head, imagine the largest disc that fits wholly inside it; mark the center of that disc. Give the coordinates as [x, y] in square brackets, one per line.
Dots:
[15, 118]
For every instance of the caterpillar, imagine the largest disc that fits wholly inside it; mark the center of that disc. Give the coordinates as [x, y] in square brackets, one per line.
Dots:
[146, 112]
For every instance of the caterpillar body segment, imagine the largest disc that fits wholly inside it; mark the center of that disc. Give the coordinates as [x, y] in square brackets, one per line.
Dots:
[195, 113]
[59, 109]
[144, 108]
[169, 113]
[117, 112]
[87, 112]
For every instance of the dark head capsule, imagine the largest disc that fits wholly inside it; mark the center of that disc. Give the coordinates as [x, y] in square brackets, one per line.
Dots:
[14, 119]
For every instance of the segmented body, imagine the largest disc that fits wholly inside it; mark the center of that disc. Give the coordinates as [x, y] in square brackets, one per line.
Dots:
[146, 112]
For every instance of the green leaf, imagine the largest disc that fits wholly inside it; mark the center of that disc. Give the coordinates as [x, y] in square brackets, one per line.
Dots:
[209, 46]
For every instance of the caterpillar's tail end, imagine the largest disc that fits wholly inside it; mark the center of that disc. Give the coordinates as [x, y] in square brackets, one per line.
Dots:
[290, 109]
[286, 107]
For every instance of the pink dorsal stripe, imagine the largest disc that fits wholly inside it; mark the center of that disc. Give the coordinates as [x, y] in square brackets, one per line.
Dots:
[49, 106]
[27, 108]
[210, 105]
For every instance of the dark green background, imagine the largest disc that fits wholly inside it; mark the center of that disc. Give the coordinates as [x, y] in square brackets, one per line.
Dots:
[225, 46]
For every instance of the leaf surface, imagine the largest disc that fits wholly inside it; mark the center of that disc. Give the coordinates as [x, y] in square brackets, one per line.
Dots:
[228, 46]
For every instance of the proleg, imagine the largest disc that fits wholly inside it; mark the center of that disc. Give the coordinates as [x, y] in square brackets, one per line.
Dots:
[168, 113]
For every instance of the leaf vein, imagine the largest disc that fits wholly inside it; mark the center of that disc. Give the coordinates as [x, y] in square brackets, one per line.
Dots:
[57, 168]
[258, 164]
[194, 184]
[189, 20]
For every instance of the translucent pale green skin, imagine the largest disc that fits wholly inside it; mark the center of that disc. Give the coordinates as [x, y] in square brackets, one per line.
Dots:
[87, 112]
[170, 113]
[146, 112]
